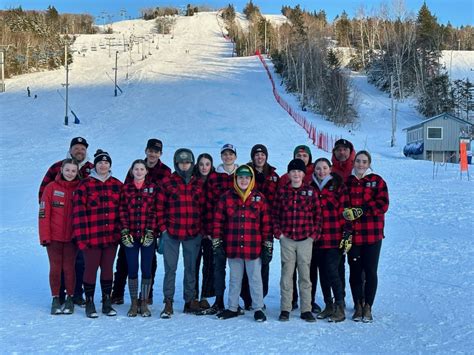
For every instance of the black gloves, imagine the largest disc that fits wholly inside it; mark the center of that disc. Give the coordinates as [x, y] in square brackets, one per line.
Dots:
[267, 252]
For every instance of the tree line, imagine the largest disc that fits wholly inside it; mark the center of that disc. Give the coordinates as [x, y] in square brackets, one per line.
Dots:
[36, 39]
[399, 52]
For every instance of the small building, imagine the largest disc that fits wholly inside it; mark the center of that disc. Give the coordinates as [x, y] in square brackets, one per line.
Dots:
[438, 138]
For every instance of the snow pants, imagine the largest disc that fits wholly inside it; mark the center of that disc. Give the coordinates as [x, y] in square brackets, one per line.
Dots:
[62, 258]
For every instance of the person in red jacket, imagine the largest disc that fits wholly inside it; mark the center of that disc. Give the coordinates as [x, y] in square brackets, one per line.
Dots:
[242, 231]
[296, 223]
[180, 204]
[55, 231]
[342, 158]
[369, 201]
[218, 183]
[157, 171]
[96, 229]
[78, 152]
[333, 198]
[266, 181]
[203, 168]
[138, 222]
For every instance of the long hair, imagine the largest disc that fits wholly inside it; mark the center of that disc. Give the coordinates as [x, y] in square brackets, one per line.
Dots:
[137, 161]
[196, 171]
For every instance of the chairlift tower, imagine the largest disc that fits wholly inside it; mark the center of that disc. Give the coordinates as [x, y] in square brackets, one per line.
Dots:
[3, 49]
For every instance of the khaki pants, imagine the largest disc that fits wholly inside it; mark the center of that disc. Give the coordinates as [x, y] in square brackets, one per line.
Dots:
[300, 253]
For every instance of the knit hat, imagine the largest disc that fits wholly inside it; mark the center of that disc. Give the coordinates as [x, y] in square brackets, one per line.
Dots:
[244, 170]
[343, 143]
[100, 155]
[258, 148]
[184, 155]
[230, 147]
[297, 164]
[78, 140]
[154, 144]
[303, 148]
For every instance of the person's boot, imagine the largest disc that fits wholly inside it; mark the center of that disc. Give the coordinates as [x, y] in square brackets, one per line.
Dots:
[327, 312]
[56, 306]
[203, 304]
[117, 299]
[69, 305]
[145, 301]
[227, 314]
[107, 306]
[315, 308]
[217, 307]
[259, 316]
[79, 301]
[367, 314]
[339, 315]
[357, 316]
[192, 307]
[167, 312]
[90, 308]
[133, 311]
[308, 317]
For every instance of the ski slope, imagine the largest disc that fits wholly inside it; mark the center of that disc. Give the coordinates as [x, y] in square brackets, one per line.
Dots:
[190, 92]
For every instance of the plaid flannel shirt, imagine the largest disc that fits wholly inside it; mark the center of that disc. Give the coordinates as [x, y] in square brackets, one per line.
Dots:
[243, 226]
[371, 194]
[138, 208]
[96, 213]
[217, 185]
[180, 207]
[297, 213]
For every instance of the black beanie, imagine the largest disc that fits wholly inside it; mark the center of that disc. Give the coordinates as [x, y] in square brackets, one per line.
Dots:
[297, 164]
[100, 155]
[258, 148]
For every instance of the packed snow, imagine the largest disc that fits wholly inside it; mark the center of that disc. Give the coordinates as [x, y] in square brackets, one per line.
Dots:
[190, 92]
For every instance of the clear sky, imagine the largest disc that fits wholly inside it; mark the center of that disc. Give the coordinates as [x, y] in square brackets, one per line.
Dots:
[458, 12]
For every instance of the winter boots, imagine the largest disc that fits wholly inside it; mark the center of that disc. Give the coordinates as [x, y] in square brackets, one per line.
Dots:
[107, 306]
[56, 306]
[133, 311]
[167, 312]
[227, 314]
[145, 301]
[79, 301]
[192, 307]
[68, 305]
[327, 312]
[357, 316]
[367, 314]
[216, 308]
[315, 308]
[308, 317]
[90, 308]
[284, 316]
[338, 315]
[259, 316]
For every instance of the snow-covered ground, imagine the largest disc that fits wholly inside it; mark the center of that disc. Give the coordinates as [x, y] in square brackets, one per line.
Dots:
[191, 93]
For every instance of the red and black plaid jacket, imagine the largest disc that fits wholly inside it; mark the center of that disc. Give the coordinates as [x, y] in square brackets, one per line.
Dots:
[267, 183]
[217, 185]
[333, 199]
[96, 213]
[180, 207]
[297, 213]
[242, 226]
[138, 208]
[155, 175]
[56, 168]
[371, 194]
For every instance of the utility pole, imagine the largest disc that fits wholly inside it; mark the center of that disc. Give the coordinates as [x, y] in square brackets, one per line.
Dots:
[265, 36]
[116, 67]
[108, 39]
[66, 66]
[394, 113]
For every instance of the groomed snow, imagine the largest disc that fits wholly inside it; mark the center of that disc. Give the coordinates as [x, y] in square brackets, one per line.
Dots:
[201, 100]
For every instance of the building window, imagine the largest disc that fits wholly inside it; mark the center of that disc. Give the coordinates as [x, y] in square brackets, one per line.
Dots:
[435, 133]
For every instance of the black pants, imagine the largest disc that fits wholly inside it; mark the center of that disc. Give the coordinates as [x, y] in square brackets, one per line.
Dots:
[79, 266]
[331, 280]
[245, 290]
[342, 273]
[315, 267]
[219, 264]
[121, 273]
[205, 253]
[364, 259]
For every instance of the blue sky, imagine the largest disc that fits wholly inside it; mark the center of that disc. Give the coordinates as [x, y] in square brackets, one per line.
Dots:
[458, 12]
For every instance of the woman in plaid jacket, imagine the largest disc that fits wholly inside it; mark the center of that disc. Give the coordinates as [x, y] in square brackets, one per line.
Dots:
[241, 231]
[368, 198]
[333, 198]
[138, 222]
[96, 229]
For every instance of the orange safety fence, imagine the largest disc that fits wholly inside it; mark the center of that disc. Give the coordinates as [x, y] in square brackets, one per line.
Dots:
[322, 140]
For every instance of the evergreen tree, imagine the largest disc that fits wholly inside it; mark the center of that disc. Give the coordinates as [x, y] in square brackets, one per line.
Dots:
[427, 32]
[343, 30]
[437, 97]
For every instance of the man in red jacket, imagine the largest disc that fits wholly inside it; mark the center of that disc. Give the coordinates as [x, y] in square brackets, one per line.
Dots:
[78, 152]
[342, 158]
[157, 171]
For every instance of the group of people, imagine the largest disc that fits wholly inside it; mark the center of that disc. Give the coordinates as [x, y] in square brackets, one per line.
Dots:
[221, 216]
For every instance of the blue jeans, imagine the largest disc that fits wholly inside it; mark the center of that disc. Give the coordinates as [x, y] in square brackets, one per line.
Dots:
[132, 255]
